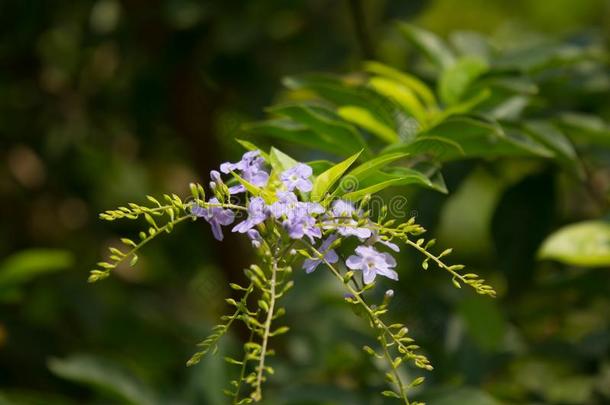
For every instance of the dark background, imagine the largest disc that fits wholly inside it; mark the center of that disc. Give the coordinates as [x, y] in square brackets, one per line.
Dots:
[103, 102]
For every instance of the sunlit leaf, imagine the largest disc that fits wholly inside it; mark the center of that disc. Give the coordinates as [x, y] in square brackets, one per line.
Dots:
[372, 165]
[343, 92]
[402, 95]
[585, 244]
[325, 180]
[280, 161]
[366, 120]
[409, 81]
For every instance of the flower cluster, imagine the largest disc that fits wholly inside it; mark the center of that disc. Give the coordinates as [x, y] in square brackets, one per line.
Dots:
[288, 214]
[298, 217]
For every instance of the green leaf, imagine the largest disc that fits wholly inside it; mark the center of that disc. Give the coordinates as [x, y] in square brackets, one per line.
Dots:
[105, 376]
[463, 107]
[585, 244]
[432, 46]
[359, 194]
[290, 131]
[586, 130]
[399, 176]
[553, 138]
[409, 81]
[280, 161]
[255, 190]
[478, 137]
[360, 172]
[437, 148]
[455, 80]
[471, 43]
[325, 181]
[345, 137]
[402, 95]
[366, 120]
[27, 264]
[343, 92]
[318, 166]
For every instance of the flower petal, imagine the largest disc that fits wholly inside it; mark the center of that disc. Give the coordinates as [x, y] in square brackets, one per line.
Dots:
[354, 262]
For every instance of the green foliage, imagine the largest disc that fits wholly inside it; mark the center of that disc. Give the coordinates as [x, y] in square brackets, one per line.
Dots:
[105, 101]
[585, 244]
[29, 264]
[481, 103]
[328, 178]
[105, 376]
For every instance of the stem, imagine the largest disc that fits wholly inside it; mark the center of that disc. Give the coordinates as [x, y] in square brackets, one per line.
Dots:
[210, 343]
[133, 251]
[378, 323]
[257, 395]
[397, 379]
[356, 9]
[242, 372]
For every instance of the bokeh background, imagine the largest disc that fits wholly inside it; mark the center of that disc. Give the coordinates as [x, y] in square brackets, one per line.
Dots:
[103, 102]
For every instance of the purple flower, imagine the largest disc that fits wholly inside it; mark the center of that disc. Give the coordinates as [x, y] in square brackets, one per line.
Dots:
[342, 212]
[286, 202]
[372, 262]
[250, 168]
[255, 238]
[298, 219]
[297, 177]
[303, 225]
[257, 213]
[289, 206]
[329, 255]
[216, 216]
[375, 238]
[249, 161]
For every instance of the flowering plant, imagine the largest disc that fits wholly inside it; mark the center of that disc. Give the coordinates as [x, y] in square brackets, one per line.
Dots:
[297, 219]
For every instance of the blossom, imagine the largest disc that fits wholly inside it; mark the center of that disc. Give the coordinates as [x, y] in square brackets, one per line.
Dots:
[297, 177]
[375, 238]
[286, 202]
[257, 213]
[330, 256]
[372, 262]
[216, 216]
[298, 215]
[288, 205]
[342, 212]
[250, 168]
[302, 225]
[255, 238]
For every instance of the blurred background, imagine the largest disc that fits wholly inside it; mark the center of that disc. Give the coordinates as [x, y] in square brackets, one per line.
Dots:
[103, 102]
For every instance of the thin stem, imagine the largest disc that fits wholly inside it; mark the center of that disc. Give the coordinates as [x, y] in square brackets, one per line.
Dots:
[374, 318]
[144, 241]
[397, 379]
[257, 395]
[242, 372]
